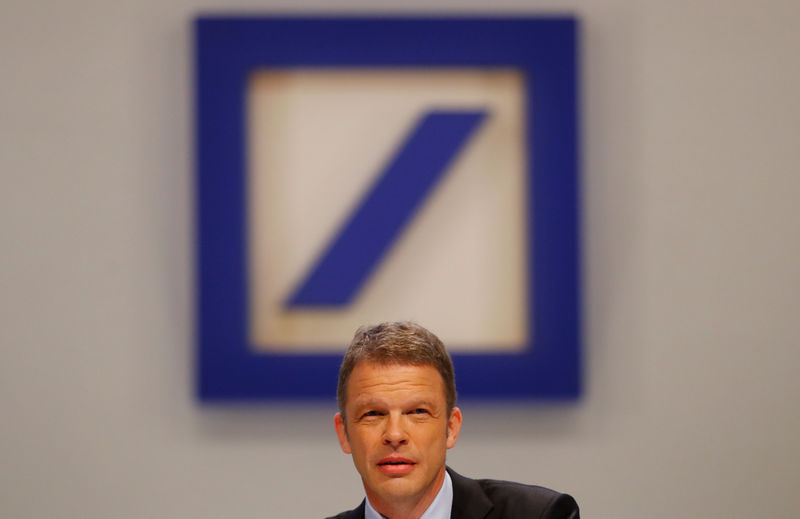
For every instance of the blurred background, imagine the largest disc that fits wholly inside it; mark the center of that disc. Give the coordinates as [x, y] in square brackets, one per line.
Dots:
[691, 123]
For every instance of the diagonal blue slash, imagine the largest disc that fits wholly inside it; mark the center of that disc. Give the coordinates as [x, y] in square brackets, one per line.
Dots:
[389, 206]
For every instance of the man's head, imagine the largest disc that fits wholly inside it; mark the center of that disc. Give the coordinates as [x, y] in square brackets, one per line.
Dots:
[397, 416]
[397, 343]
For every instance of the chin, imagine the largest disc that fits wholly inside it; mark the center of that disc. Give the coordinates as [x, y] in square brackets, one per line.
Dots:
[401, 488]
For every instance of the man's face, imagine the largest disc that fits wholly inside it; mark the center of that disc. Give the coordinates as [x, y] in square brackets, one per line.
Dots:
[398, 431]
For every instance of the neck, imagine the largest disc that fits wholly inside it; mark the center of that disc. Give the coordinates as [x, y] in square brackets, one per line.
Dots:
[411, 508]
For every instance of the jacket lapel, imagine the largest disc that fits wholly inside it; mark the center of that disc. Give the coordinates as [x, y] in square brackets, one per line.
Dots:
[358, 513]
[469, 499]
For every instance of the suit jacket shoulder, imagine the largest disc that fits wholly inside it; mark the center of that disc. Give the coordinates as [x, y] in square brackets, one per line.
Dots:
[495, 499]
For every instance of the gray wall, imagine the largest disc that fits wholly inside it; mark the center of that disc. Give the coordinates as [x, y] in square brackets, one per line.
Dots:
[692, 232]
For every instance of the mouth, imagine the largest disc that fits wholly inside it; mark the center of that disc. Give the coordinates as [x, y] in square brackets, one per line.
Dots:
[394, 466]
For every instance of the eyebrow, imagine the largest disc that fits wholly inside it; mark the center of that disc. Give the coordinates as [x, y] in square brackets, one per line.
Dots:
[374, 402]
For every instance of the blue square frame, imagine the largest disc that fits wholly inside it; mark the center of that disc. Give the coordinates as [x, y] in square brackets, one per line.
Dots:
[545, 49]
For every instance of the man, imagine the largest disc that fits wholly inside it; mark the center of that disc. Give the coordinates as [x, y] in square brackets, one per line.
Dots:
[397, 418]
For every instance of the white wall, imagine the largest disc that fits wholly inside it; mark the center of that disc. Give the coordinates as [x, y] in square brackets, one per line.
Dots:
[692, 226]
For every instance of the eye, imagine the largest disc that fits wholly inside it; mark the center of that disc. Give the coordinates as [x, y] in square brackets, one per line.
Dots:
[419, 410]
[371, 413]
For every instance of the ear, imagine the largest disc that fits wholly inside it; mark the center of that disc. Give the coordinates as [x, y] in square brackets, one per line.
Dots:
[453, 427]
[341, 432]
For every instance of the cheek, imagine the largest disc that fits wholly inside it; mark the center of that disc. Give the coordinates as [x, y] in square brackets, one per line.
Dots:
[435, 440]
[361, 444]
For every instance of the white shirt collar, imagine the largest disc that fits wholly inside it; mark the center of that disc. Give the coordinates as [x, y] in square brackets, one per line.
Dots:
[438, 509]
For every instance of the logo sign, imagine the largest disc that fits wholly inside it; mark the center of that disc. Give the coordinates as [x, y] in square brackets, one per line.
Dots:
[357, 170]
[412, 205]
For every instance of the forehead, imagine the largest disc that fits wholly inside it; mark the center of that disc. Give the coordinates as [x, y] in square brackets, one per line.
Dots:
[370, 380]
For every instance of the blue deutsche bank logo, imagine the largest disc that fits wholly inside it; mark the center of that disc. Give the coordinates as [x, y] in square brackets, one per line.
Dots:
[542, 51]
[381, 216]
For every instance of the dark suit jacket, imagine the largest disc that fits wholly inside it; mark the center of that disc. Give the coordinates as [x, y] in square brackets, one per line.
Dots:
[492, 499]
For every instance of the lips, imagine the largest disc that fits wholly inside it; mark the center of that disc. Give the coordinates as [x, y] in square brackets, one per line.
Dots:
[396, 465]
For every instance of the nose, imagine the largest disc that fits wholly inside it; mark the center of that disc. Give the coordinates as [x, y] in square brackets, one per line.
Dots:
[395, 432]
